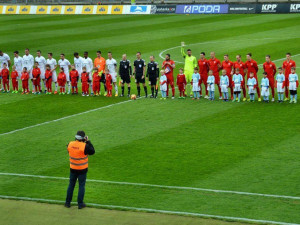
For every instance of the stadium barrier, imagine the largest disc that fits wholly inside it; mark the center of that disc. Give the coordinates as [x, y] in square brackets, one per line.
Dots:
[152, 9]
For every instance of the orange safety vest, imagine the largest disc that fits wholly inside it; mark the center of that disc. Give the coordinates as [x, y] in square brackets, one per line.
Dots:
[78, 160]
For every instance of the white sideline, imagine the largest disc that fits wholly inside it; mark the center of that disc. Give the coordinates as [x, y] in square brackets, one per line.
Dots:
[157, 186]
[65, 117]
[154, 211]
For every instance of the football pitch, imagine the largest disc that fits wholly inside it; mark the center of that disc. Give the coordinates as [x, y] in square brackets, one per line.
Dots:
[218, 160]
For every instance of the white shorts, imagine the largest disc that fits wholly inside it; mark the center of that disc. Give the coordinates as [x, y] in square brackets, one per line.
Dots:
[54, 76]
[196, 87]
[91, 76]
[237, 87]
[265, 91]
[224, 88]
[293, 86]
[19, 74]
[30, 73]
[42, 74]
[280, 89]
[68, 76]
[114, 78]
[211, 87]
[251, 90]
[163, 87]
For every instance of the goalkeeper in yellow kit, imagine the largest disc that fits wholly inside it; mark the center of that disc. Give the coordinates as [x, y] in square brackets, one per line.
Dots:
[190, 63]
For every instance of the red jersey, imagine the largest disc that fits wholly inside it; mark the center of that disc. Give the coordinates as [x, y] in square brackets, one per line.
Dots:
[227, 65]
[241, 66]
[181, 79]
[36, 72]
[48, 74]
[62, 79]
[14, 74]
[168, 68]
[96, 77]
[270, 69]
[84, 77]
[251, 66]
[203, 67]
[5, 73]
[74, 76]
[287, 67]
[214, 65]
[25, 76]
[108, 79]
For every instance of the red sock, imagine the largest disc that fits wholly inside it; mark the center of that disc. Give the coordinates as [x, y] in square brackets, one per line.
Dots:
[220, 93]
[244, 91]
[258, 92]
[167, 90]
[273, 93]
[286, 92]
[173, 90]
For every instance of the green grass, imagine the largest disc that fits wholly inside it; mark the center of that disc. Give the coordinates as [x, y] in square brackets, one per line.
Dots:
[248, 147]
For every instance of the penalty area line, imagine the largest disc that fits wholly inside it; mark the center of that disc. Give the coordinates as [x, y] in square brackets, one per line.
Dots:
[65, 117]
[158, 186]
[149, 210]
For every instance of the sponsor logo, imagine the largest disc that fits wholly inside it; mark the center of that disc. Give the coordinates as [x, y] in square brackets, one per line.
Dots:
[42, 10]
[11, 9]
[24, 10]
[163, 9]
[138, 9]
[118, 9]
[295, 8]
[269, 7]
[102, 9]
[202, 9]
[242, 8]
[87, 9]
[55, 10]
[70, 9]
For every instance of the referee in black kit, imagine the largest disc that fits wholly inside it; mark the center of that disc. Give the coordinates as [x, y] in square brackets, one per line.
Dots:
[125, 73]
[139, 72]
[153, 75]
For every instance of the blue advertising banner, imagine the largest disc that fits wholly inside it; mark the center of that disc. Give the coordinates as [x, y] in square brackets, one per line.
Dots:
[202, 9]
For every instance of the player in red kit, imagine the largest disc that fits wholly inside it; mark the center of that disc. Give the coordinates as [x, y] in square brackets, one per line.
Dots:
[287, 65]
[85, 82]
[227, 65]
[74, 76]
[25, 78]
[48, 78]
[96, 81]
[251, 66]
[14, 79]
[108, 83]
[62, 80]
[203, 70]
[5, 78]
[270, 69]
[238, 64]
[181, 83]
[215, 66]
[36, 78]
[169, 65]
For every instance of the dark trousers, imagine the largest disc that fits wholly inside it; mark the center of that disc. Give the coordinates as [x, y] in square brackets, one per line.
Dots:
[81, 180]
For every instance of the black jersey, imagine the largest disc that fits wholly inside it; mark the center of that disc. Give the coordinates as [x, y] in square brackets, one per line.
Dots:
[152, 70]
[139, 66]
[125, 68]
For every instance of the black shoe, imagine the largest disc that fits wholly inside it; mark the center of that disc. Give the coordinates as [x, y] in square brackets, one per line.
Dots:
[81, 206]
[67, 205]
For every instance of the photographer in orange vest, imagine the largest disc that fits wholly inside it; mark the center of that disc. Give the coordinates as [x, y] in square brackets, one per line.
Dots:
[78, 154]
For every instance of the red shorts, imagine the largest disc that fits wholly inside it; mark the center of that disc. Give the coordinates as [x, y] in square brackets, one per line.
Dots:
[170, 80]
[181, 87]
[272, 82]
[61, 84]
[5, 81]
[37, 81]
[74, 84]
[204, 79]
[217, 78]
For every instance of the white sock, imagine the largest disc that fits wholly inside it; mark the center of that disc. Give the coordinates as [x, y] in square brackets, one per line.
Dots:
[69, 87]
[45, 84]
[91, 87]
[56, 85]
[116, 88]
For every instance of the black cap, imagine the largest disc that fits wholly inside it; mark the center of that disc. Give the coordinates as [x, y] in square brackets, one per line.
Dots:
[80, 135]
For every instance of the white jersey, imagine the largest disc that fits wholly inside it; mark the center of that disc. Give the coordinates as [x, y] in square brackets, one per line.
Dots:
[111, 66]
[41, 61]
[78, 64]
[28, 62]
[18, 61]
[4, 59]
[52, 63]
[88, 64]
[64, 64]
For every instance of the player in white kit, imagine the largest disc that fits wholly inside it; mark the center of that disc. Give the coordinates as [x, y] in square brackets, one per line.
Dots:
[4, 58]
[42, 65]
[78, 63]
[53, 65]
[87, 62]
[66, 65]
[28, 62]
[111, 65]
[18, 61]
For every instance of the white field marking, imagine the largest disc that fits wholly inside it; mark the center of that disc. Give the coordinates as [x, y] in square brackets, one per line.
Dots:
[220, 41]
[201, 215]
[66, 117]
[157, 186]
